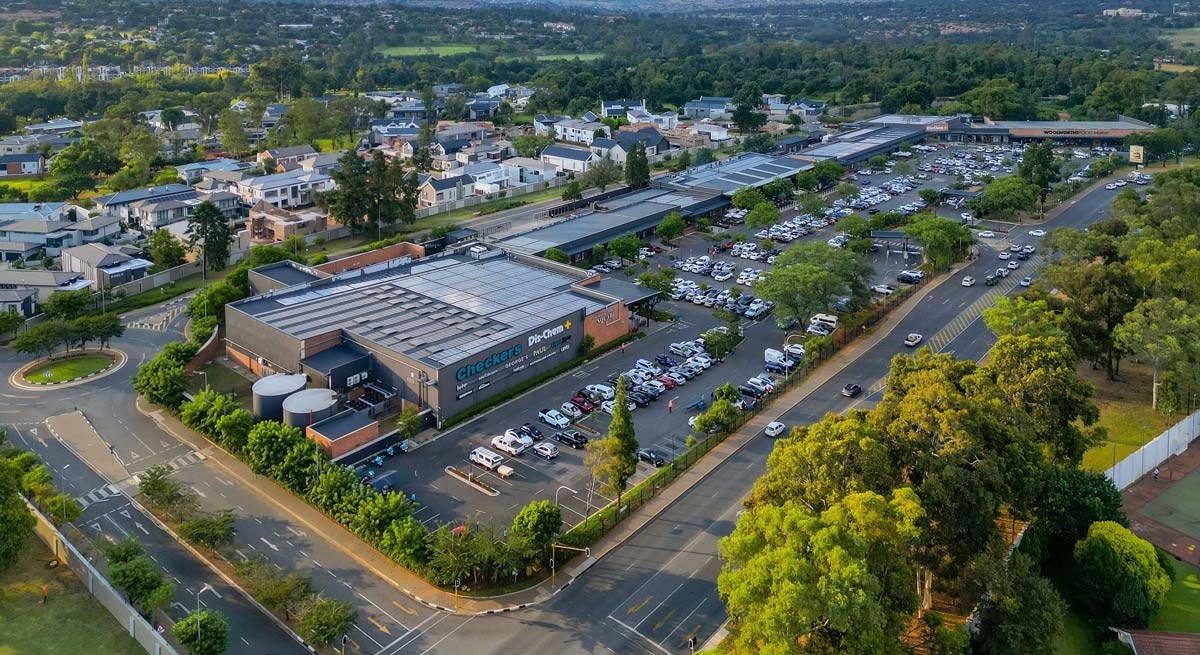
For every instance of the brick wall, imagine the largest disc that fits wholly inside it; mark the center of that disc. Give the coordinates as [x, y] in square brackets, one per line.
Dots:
[346, 444]
[373, 257]
[607, 324]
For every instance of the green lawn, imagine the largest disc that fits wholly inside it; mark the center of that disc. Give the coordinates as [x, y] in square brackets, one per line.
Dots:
[71, 622]
[1125, 414]
[167, 292]
[581, 56]
[420, 50]
[223, 379]
[1076, 637]
[1181, 608]
[68, 369]
[445, 218]
[1183, 38]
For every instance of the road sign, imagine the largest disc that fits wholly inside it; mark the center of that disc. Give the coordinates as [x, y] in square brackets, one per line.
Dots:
[1137, 154]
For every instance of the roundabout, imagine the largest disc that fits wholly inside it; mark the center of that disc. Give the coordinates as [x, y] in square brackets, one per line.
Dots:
[68, 369]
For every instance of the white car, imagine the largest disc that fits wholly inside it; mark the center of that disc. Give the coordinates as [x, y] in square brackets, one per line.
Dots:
[546, 450]
[913, 339]
[507, 444]
[966, 216]
[795, 350]
[1026, 281]
[609, 405]
[606, 392]
[570, 411]
[700, 362]
[968, 281]
[656, 385]
[1005, 255]
[987, 234]
[554, 418]
[1037, 233]
[1110, 187]
[524, 439]
[774, 429]
[883, 289]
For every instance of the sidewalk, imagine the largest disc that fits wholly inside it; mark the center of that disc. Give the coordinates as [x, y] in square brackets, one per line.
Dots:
[418, 589]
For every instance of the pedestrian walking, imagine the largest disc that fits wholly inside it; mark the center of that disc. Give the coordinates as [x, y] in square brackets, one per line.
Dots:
[712, 395]
[45, 593]
[670, 406]
[1156, 473]
[622, 347]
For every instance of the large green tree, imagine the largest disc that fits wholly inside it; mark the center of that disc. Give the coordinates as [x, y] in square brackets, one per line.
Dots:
[1021, 612]
[612, 459]
[1118, 575]
[349, 202]
[208, 228]
[810, 277]
[203, 633]
[944, 240]
[1041, 168]
[1161, 332]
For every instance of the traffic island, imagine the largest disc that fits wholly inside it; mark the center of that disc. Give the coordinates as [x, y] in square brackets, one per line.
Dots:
[467, 478]
[68, 369]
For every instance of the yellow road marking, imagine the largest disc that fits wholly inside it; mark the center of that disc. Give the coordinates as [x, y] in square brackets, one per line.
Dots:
[353, 644]
[377, 624]
[665, 619]
[404, 609]
[639, 606]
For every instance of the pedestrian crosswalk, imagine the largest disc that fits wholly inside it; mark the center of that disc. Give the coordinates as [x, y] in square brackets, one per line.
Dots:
[109, 491]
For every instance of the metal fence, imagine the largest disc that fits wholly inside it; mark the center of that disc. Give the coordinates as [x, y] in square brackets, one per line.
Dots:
[112, 600]
[1171, 442]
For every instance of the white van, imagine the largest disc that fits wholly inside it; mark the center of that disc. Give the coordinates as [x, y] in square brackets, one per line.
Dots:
[486, 458]
[826, 320]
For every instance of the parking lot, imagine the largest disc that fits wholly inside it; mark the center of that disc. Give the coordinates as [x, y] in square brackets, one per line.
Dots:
[661, 425]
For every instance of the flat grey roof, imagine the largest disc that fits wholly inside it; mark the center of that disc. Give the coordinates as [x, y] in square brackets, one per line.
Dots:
[749, 169]
[627, 291]
[339, 425]
[1068, 125]
[285, 273]
[329, 359]
[440, 310]
[863, 143]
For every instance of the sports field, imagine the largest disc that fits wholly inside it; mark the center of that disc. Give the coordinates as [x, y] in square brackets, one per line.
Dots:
[581, 56]
[445, 50]
[1178, 507]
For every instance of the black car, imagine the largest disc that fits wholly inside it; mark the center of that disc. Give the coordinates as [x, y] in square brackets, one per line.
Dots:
[908, 278]
[531, 431]
[637, 399]
[851, 390]
[651, 456]
[648, 391]
[747, 390]
[776, 367]
[570, 438]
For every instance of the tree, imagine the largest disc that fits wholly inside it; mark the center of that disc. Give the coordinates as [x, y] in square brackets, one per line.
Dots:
[325, 619]
[747, 197]
[1041, 168]
[267, 445]
[278, 591]
[810, 277]
[349, 201]
[166, 492]
[138, 577]
[536, 526]
[556, 255]
[1021, 613]
[828, 172]
[233, 132]
[637, 167]
[11, 321]
[1099, 294]
[945, 240]
[42, 339]
[602, 174]
[1069, 502]
[573, 191]
[209, 228]
[932, 197]
[659, 281]
[15, 516]
[307, 118]
[165, 249]
[1007, 195]
[531, 145]
[682, 162]
[745, 111]
[172, 117]
[1161, 332]
[161, 381]
[1118, 575]
[840, 581]
[625, 247]
[86, 158]
[67, 305]
[671, 227]
[762, 215]
[721, 416]
[612, 460]
[203, 633]
[213, 531]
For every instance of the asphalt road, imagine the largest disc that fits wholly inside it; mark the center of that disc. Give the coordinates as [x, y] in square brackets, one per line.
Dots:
[654, 591]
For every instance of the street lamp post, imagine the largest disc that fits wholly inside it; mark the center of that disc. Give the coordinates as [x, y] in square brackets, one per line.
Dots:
[560, 489]
[206, 587]
[64, 498]
[205, 374]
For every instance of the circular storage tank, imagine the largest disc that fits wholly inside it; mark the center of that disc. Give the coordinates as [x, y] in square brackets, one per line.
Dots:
[304, 408]
[269, 392]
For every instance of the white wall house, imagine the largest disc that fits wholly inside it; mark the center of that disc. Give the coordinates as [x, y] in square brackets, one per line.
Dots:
[567, 159]
[577, 131]
[296, 188]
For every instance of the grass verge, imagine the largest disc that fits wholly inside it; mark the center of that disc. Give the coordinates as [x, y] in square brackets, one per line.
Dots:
[1076, 637]
[155, 296]
[223, 379]
[1181, 608]
[68, 369]
[70, 622]
[1125, 413]
[423, 50]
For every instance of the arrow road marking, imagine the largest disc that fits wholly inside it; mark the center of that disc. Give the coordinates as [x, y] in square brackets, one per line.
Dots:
[404, 609]
[269, 544]
[141, 527]
[382, 628]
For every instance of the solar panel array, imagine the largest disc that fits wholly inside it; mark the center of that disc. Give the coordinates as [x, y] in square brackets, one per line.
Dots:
[751, 169]
[442, 310]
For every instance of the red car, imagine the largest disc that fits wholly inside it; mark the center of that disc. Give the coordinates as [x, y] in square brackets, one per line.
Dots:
[582, 404]
[667, 382]
[656, 249]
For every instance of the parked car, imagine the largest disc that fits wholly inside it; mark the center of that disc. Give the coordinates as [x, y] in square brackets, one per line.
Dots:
[606, 392]
[546, 450]
[582, 403]
[525, 439]
[508, 444]
[753, 392]
[651, 457]
[571, 438]
[554, 418]
[570, 411]
[531, 430]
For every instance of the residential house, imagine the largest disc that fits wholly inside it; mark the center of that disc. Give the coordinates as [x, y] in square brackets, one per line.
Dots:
[273, 116]
[392, 133]
[323, 162]
[769, 99]
[576, 131]
[286, 159]
[615, 108]
[24, 164]
[22, 239]
[21, 301]
[413, 109]
[709, 108]
[543, 124]
[153, 119]
[117, 204]
[811, 108]
[621, 144]
[435, 191]
[149, 215]
[194, 172]
[11, 251]
[106, 266]
[18, 144]
[568, 159]
[664, 121]
[38, 211]
[715, 133]
[481, 152]
[482, 108]
[56, 126]
[288, 190]
[42, 282]
[489, 177]
[498, 90]
[523, 170]
[270, 224]
[448, 89]
[460, 132]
